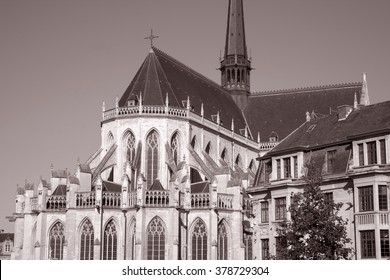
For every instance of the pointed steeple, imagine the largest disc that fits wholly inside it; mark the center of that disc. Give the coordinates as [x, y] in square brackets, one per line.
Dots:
[364, 98]
[235, 65]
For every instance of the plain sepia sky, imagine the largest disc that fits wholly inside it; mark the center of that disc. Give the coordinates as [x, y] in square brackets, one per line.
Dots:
[60, 59]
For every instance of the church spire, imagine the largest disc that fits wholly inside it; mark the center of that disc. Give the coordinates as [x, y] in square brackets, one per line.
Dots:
[235, 65]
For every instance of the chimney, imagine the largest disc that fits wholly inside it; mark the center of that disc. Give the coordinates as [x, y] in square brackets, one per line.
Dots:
[344, 111]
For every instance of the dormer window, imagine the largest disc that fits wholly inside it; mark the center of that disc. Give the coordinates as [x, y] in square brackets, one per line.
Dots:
[371, 152]
[273, 137]
[286, 168]
[131, 103]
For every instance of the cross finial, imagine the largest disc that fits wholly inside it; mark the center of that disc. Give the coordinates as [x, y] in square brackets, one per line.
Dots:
[151, 37]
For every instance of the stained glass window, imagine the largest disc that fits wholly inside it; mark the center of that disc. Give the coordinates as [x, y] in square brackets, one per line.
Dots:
[56, 241]
[152, 157]
[156, 240]
[175, 146]
[199, 241]
[86, 241]
[222, 242]
[110, 242]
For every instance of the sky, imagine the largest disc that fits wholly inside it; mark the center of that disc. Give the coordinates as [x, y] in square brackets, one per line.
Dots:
[60, 59]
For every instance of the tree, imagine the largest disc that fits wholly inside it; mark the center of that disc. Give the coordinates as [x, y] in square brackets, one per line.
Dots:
[315, 231]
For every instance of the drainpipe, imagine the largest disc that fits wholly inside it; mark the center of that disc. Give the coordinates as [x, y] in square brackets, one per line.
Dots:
[124, 245]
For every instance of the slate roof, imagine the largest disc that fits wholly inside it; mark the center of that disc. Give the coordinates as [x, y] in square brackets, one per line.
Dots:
[200, 187]
[84, 168]
[156, 186]
[111, 187]
[59, 174]
[161, 74]
[60, 190]
[74, 180]
[368, 120]
[6, 236]
[285, 110]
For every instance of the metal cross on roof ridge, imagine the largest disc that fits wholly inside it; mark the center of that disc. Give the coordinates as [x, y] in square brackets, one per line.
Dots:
[151, 37]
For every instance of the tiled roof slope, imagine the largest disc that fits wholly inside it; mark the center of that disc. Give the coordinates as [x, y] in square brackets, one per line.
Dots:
[160, 74]
[284, 111]
[6, 236]
[370, 120]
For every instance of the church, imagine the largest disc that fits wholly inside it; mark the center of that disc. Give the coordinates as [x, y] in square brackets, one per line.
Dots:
[189, 169]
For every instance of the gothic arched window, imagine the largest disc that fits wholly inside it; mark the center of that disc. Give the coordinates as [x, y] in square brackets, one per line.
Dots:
[252, 166]
[110, 242]
[56, 241]
[175, 146]
[86, 241]
[132, 240]
[152, 151]
[238, 161]
[222, 242]
[156, 240]
[110, 140]
[199, 241]
[130, 147]
[208, 149]
[224, 155]
[193, 142]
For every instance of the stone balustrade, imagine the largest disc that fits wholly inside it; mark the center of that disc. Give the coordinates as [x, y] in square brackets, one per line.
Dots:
[85, 199]
[200, 200]
[56, 203]
[34, 204]
[225, 201]
[157, 198]
[364, 219]
[111, 199]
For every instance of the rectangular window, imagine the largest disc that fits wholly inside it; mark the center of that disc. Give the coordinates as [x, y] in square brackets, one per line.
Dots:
[330, 162]
[385, 251]
[281, 243]
[382, 145]
[366, 199]
[264, 212]
[265, 249]
[367, 244]
[280, 208]
[361, 155]
[267, 171]
[382, 192]
[328, 197]
[295, 167]
[278, 169]
[371, 153]
[287, 167]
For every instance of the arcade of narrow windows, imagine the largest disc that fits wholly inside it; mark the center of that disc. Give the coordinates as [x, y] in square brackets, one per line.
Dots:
[156, 241]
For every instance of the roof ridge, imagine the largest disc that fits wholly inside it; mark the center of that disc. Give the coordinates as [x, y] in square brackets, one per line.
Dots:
[305, 89]
[193, 71]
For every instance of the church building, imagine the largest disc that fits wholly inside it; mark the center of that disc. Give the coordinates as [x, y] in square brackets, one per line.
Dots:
[181, 172]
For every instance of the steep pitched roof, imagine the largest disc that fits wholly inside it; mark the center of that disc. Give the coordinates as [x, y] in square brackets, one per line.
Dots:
[6, 236]
[161, 75]
[108, 186]
[200, 187]
[60, 190]
[372, 119]
[283, 111]
[156, 186]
